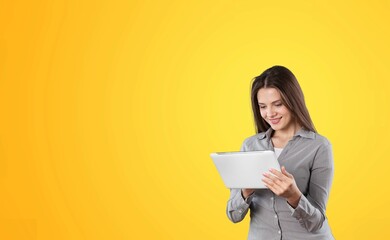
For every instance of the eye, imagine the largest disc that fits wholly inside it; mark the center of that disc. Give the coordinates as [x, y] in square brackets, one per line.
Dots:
[279, 104]
[262, 107]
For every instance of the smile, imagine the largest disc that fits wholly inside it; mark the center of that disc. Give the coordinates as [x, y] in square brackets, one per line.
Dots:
[275, 120]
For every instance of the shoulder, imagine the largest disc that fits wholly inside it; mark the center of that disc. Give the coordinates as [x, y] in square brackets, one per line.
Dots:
[312, 138]
[322, 140]
[254, 142]
[313, 142]
[321, 147]
[324, 152]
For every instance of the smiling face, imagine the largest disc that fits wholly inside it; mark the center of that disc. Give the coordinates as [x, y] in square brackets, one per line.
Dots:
[273, 111]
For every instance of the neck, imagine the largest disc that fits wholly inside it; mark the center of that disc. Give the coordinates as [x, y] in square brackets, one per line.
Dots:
[289, 132]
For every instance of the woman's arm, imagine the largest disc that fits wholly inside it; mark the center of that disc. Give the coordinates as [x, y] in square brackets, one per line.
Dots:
[309, 210]
[239, 201]
[237, 206]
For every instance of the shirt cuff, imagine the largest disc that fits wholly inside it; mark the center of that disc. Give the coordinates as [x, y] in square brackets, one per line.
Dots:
[303, 210]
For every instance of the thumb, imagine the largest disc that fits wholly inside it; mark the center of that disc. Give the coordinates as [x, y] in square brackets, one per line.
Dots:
[284, 171]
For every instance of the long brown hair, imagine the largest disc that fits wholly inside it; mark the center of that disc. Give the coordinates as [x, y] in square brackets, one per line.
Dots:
[285, 82]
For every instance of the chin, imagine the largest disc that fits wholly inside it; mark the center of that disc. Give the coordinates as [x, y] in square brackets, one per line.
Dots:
[278, 127]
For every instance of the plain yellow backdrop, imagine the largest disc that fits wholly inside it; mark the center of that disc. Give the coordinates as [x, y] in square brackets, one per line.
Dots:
[109, 110]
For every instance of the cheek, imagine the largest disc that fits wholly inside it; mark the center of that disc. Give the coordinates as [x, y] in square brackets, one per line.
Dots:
[262, 113]
[285, 111]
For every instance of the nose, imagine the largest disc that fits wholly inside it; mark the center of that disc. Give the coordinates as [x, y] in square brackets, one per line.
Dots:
[270, 112]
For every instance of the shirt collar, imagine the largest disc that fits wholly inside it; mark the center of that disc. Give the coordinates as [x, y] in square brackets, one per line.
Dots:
[301, 132]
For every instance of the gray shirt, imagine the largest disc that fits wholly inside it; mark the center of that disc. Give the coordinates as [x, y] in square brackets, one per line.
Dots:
[308, 157]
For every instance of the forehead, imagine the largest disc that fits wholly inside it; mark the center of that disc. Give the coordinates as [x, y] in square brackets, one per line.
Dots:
[268, 95]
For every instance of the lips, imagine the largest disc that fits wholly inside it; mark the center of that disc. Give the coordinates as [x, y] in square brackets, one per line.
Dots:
[275, 120]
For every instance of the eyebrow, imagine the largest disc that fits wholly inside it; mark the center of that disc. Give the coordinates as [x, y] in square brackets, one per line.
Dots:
[272, 102]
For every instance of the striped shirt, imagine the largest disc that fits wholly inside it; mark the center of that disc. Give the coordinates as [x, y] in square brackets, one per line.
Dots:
[308, 157]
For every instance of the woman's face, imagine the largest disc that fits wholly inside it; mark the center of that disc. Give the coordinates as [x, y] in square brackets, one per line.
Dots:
[272, 109]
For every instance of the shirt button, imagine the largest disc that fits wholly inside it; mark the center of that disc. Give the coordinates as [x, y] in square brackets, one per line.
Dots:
[272, 198]
[279, 231]
[240, 211]
[276, 216]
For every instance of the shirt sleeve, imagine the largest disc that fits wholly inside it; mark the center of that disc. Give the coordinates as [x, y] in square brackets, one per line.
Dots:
[310, 211]
[237, 206]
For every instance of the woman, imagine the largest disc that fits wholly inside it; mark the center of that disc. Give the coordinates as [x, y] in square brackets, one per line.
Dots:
[293, 206]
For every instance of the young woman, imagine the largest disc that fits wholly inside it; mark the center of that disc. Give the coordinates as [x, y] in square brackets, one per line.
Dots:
[293, 206]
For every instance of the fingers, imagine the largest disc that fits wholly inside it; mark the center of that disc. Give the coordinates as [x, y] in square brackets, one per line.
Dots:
[281, 183]
[284, 171]
[272, 178]
[281, 174]
[272, 186]
[278, 182]
[247, 192]
[276, 173]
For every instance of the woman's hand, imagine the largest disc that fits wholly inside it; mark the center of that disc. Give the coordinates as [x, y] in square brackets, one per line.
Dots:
[247, 192]
[283, 184]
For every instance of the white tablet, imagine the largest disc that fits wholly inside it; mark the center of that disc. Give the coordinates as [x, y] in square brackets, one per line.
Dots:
[244, 169]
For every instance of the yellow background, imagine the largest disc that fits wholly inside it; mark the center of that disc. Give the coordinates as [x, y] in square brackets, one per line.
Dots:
[109, 110]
